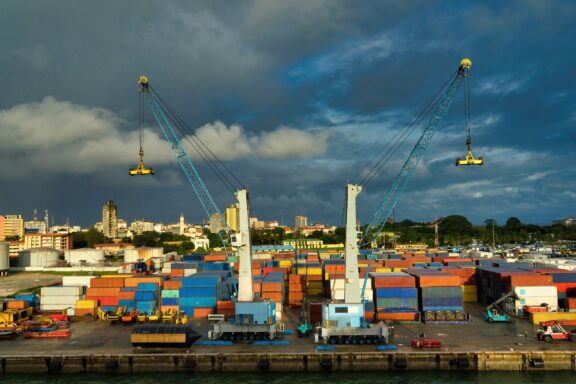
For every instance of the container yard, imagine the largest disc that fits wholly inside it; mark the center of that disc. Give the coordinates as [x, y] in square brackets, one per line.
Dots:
[430, 296]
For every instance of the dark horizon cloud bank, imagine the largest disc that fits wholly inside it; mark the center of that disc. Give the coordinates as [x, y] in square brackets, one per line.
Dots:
[294, 96]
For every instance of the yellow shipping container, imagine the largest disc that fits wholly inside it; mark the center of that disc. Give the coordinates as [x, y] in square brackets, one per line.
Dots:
[398, 269]
[383, 270]
[86, 304]
[538, 317]
[285, 263]
[314, 291]
[469, 289]
[470, 297]
[313, 271]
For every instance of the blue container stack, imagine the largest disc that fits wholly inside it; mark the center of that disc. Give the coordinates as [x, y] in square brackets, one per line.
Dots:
[146, 297]
[441, 299]
[203, 289]
[397, 299]
[129, 304]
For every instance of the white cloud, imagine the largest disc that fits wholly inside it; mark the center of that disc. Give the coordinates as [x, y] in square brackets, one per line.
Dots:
[63, 138]
[231, 142]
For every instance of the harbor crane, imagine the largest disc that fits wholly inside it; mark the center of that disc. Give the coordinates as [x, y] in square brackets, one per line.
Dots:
[343, 322]
[253, 318]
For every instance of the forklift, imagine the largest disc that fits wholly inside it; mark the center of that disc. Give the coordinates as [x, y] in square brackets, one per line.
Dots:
[494, 313]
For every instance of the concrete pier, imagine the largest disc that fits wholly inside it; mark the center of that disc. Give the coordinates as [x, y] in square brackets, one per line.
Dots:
[288, 362]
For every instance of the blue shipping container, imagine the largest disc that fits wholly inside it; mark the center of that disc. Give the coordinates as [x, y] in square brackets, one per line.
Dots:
[170, 301]
[396, 292]
[147, 287]
[146, 296]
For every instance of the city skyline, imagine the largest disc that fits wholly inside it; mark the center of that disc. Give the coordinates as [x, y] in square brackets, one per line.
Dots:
[294, 113]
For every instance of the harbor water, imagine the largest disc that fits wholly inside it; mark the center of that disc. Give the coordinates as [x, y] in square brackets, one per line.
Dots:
[408, 377]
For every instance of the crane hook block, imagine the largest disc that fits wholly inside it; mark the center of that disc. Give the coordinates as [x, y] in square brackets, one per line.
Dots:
[470, 160]
[141, 170]
[466, 63]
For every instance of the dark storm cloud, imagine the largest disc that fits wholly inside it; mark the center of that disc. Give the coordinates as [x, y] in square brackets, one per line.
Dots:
[332, 80]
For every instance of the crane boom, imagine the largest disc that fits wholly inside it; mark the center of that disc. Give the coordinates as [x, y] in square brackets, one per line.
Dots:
[395, 190]
[206, 200]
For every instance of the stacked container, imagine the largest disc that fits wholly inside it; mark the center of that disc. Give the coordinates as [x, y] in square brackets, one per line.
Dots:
[86, 308]
[273, 287]
[296, 286]
[146, 297]
[105, 291]
[60, 298]
[396, 297]
[199, 293]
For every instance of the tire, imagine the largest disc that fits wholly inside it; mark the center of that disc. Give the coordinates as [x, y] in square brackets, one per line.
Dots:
[490, 320]
[547, 338]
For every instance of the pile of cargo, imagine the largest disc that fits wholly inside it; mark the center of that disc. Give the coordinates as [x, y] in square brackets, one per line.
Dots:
[396, 297]
[439, 295]
[60, 299]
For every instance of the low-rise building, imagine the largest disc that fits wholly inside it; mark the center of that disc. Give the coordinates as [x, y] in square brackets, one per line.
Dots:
[59, 241]
[304, 243]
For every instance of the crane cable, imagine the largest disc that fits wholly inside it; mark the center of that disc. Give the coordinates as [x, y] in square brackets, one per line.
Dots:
[378, 161]
[228, 179]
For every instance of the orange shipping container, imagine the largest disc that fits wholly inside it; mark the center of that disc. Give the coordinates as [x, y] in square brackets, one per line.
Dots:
[295, 287]
[173, 308]
[17, 304]
[81, 312]
[109, 282]
[397, 316]
[93, 292]
[215, 258]
[273, 296]
[173, 284]
[272, 286]
[134, 281]
[295, 296]
[126, 295]
[298, 279]
[177, 272]
[203, 312]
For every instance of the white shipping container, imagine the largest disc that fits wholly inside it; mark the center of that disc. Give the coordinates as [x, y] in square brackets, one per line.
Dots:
[53, 307]
[338, 294]
[62, 291]
[190, 271]
[59, 300]
[76, 281]
[539, 291]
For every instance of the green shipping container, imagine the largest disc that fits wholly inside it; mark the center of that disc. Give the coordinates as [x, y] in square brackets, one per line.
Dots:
[170, 293]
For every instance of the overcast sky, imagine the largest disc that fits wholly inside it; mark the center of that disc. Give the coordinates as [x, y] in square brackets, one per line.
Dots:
[294, 96]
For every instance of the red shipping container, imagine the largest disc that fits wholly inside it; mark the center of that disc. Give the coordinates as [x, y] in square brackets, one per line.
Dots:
[568, 288]
[105, 300]
[225, 305]
[570, 303]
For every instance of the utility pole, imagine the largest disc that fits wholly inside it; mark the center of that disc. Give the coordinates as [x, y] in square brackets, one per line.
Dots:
[436, 234]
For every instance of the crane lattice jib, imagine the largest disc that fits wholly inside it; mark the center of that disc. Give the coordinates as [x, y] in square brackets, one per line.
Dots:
[397, 187]
[190, 171]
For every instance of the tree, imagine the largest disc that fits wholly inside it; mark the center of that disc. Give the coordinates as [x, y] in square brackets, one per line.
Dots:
[456, 229]
[88, 239]
[147, 239]
[513, 223]
[12, 238]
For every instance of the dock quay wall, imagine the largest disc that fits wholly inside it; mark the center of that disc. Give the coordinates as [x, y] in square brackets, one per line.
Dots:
[287, 362]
